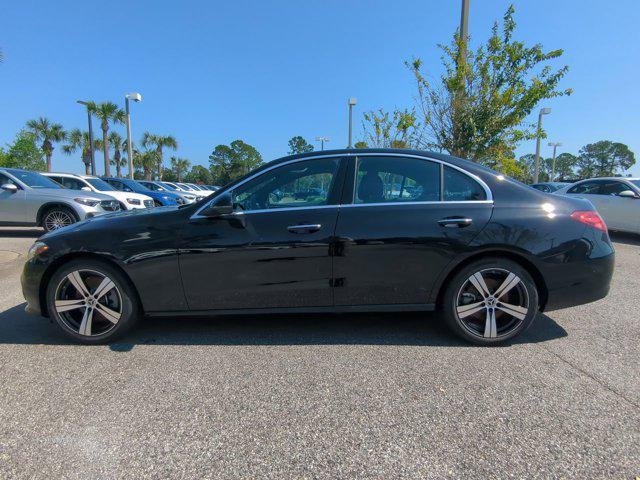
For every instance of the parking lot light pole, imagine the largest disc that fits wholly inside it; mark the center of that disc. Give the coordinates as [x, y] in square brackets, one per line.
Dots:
[352, 102]
[322, 140]
[536, 165]
[553, 161]
[136, 97]
[93, 160]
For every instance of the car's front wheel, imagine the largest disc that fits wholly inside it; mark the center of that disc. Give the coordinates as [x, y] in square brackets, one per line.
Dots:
[490, 301]
[57, 217]
[91, 301]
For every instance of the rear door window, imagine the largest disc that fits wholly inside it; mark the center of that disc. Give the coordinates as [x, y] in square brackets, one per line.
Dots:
[459, 186]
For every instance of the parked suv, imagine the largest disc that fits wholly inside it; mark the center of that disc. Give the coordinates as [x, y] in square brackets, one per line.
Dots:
[29, 198]
[127, 200]
[160, 199]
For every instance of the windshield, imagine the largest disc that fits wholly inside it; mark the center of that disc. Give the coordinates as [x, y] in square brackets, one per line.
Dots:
[169, 186]
[196, 187]
[186, 187]
[152, 186]
[33, 179]
[100, 185]
[636, 183]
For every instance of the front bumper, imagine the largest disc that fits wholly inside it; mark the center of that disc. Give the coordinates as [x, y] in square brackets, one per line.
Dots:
[31, 279]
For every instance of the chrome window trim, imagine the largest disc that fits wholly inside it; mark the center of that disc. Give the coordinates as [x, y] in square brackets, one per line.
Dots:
[488, 200]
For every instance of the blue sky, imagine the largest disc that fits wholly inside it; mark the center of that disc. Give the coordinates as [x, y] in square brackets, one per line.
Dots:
[263, 71]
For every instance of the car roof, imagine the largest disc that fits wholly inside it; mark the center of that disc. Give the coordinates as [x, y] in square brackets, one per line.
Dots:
[610, 178]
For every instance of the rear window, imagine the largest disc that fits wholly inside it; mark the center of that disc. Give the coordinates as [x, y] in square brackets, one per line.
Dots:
[459, 186]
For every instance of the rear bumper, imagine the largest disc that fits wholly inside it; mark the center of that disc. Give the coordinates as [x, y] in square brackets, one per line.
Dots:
[583, 282]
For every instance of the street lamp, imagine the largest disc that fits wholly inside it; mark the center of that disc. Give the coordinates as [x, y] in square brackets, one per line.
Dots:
[536, 165]
[322, 140]
[553, 162]
[352, 102]
[136, 97]
[93, 160]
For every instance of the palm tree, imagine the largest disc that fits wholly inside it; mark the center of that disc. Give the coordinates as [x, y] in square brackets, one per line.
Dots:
[180, 165]
[159, 142]
[106, 112]
[79, 140]
[147, 160]
[48, 133]
[115, 140]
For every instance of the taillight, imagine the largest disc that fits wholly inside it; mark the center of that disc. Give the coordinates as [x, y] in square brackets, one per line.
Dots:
[591, 218]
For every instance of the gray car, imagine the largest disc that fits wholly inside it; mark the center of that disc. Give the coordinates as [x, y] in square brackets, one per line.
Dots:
[30, 199]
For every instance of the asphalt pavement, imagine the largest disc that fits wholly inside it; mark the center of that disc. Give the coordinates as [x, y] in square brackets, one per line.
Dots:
[322, 396]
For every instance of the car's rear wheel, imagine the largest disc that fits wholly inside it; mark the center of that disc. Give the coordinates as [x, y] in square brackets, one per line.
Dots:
[91, 301]
[57, 217]
[490, 301]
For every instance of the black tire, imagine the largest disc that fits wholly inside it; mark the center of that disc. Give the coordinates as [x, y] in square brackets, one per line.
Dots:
[49, 217]
[122, 296]
[463, 299]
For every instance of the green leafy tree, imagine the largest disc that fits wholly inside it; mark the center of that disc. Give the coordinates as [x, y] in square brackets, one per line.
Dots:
[146, 162]
[116, 142]
[106, 112]
[199, 174]
[361, 144]
[179, 166]
[482, 102]
[48, 133]
[299, 145]
[229, 162]
[604, 159]
[566, 164]
[159, 142]
[23, 153]
[382, 129]
[77, 140]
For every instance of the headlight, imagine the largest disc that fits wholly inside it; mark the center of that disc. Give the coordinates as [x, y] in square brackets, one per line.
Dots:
[91, 202]
[180, 201]
[133, 201]
[189, 197]
[36, 249]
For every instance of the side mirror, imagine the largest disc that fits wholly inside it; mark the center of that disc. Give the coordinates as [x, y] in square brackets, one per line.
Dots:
[85, 189]
[221, 205]
[9, 187]
[628, 194]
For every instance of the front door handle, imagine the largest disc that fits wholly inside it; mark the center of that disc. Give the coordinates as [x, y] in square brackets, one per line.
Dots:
[459, 222]
[309, 228]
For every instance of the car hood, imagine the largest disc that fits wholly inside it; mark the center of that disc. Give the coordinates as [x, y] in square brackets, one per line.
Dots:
[58, 193]
[122, 218]
[122, 196]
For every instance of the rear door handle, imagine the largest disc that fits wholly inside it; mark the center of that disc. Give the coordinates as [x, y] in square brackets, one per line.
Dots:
[309, 228]
[455, 222]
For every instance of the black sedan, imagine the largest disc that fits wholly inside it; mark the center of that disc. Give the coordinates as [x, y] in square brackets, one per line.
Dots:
[386, 230]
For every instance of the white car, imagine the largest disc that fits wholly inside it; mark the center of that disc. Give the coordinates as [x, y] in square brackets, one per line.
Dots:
[161, 187]
[617, 200]
[88, 183]
[190, 188]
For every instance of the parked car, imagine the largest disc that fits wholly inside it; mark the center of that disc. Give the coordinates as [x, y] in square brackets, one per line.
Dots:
[550, 187]
[89, 183]
[160, 199]
[615, 199]
[490, 261]
[213, 188]
[31, 199]
[200, 189]
[159, 187]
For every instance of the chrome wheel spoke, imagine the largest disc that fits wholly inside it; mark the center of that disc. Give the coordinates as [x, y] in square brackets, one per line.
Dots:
[466, 310]
[511, 281]
[78, 283]
[107, 313]
[105, 286]
[513, 310]
[85, 325]
[490, 329]
[66, 305]
[477, 280]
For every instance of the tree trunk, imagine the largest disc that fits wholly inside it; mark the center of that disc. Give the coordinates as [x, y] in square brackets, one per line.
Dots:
[105, 149]
[160, 164]
[116, 158]
[48, 155]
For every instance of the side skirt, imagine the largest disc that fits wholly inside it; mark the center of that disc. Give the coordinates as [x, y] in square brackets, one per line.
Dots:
[405, 307]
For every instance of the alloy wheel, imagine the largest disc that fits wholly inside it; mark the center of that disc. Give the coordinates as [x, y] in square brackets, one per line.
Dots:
[57, 219]
[88, 302]
[492, 303]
